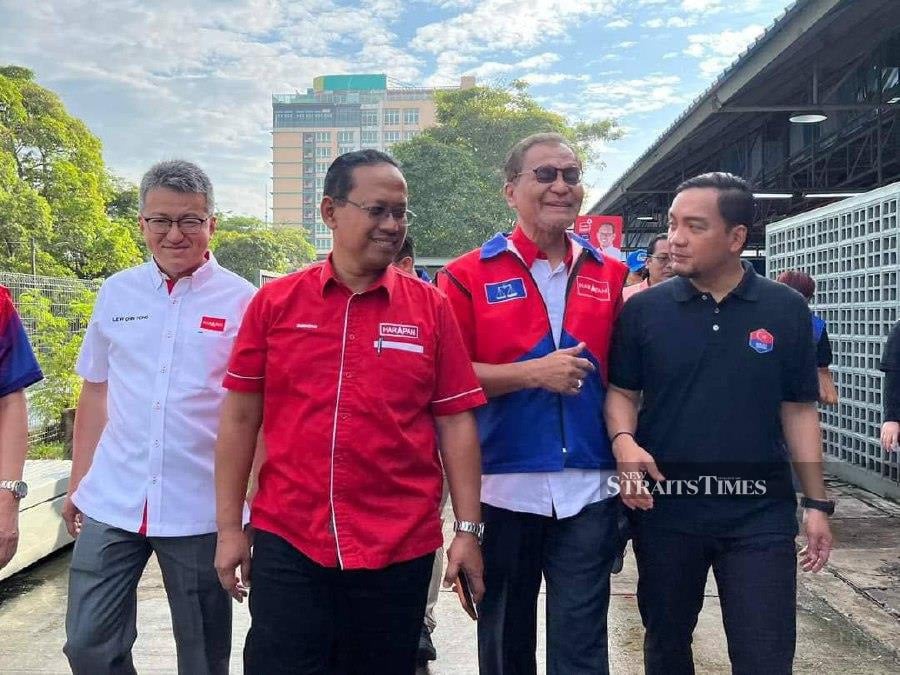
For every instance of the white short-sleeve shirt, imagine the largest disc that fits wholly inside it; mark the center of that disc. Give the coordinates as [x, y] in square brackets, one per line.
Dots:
[163, 356]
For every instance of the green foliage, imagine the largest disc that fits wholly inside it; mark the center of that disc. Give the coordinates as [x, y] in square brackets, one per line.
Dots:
[455, 170]
[54, 188]
[47, 451]
[229, 222]
[245, 253]
[57, 349]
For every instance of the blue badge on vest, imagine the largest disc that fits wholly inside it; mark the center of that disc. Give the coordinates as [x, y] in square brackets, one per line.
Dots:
[502, 291]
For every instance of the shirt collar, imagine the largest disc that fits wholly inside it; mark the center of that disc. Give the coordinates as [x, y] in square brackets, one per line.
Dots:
[199, 277]
[519, 244]
[747, 289]
[328, 277]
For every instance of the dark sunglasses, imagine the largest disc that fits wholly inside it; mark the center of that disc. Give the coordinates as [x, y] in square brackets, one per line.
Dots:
[547, 174]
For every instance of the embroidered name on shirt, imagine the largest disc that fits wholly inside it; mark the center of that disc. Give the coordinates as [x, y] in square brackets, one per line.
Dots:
[762, 341]
[212, 323]
[398, 330]
[139, 317]
[591, 288]
[504, 291]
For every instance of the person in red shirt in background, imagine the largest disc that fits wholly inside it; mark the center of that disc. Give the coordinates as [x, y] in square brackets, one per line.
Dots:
[349, 365]
[659, 267]
[18, 370]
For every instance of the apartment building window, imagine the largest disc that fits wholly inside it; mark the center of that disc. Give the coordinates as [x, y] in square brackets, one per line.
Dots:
[407, 135]
[392, 115]
[320, 183]
[323, 153]
[369, 118]
[323, 136]
[410, 115]
[391, 136]
[370, 137]
[321, 167]
[345, 137]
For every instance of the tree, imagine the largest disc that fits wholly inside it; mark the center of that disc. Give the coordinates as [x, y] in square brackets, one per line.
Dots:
[465, 153]
[245, 253]
[229, 222]
[54, 188]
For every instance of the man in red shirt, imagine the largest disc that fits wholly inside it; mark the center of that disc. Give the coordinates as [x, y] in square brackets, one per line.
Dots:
[349, 365]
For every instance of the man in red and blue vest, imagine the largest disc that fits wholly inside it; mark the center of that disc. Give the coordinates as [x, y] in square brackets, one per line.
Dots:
[536, 309]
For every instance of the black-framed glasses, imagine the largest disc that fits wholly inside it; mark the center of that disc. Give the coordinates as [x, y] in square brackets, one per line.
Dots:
[401, 214]
[187, 225]
[547, 174]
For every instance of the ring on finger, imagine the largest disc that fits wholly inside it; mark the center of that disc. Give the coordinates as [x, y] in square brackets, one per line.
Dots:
[579, 384]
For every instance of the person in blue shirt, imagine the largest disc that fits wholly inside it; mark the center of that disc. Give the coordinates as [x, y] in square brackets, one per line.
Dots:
[18, 370]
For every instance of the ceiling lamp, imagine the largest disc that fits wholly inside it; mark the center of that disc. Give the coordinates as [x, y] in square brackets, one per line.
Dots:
[808, 117]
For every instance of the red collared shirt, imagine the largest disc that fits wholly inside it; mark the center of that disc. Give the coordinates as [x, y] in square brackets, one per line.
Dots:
[530, 251]
[351, 385]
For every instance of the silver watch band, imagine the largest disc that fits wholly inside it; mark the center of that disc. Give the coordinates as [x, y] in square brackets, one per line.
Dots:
[470, 527]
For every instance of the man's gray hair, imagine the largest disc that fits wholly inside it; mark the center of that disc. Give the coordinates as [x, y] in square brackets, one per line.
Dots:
[180, 176]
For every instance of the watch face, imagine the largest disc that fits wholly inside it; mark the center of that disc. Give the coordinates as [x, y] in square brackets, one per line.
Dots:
[20, 489]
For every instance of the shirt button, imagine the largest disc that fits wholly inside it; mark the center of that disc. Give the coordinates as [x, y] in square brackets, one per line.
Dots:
[156, 444]
[163, 369]
[352, 336]
[174, 301]
[154, 480]
[716, 326]
[348, 375]
[169, 335]
[706, 297]
[716, 310]
[345, 417]
[156, 406]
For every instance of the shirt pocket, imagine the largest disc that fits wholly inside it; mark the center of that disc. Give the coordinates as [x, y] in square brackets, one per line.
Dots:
[204, 359]
[403, 371]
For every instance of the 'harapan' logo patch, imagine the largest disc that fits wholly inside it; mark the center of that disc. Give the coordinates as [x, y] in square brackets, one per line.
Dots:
[398, 330]
[212, 323]
[762, 341]
[592, 288]
[503, 291]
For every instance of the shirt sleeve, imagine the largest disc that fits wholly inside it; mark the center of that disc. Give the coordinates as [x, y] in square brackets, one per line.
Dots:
[801, 381]
[823, 350]
[461, 302]
[247, 365]
[456, 387]
[18, 367]
[625, 353]
[93, 358]
[890, 356]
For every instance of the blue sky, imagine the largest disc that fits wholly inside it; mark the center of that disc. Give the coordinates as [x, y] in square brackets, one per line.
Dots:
[194, 78]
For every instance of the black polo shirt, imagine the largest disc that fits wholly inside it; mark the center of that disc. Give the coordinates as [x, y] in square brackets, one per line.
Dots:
[713, 377]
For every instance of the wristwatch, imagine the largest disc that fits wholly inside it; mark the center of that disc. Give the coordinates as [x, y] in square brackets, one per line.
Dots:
[471, 528]
[19, 488]
[826, 506]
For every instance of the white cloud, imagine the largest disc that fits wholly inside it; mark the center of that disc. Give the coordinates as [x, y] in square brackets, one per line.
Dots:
[671, 22]
[706, 6]
[619, 23]
[654, 23]
[539, 61]
[624, 97]
[537, 79]
[718, 50]
[671, 55]
[626, 45]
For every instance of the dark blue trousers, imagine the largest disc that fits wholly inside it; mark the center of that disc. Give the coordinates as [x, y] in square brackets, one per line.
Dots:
[574, 555]
[756, 576]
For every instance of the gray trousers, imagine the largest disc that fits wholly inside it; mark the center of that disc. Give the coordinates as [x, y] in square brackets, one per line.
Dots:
[107, 564]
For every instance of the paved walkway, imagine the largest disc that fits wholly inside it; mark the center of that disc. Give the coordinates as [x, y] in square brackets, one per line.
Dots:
[848, 621]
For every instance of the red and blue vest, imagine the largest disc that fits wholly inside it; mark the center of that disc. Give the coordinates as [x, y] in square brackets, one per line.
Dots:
[503, 319]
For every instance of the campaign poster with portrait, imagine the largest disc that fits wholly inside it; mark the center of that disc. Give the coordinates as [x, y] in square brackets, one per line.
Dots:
[603, 231]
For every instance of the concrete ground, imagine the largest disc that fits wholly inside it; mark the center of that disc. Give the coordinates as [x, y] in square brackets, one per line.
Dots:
[848, 616]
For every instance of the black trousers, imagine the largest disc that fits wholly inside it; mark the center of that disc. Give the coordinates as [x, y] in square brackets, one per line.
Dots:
[312, 620]
[757, 581]
[574, 555]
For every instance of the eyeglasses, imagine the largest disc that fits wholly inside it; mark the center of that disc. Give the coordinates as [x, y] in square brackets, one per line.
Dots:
[547, 174]
[378, 213]
[187, 225]
[662, 258]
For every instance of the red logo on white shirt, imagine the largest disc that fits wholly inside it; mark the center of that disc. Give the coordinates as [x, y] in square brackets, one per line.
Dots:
[398, 330]
[212, 323]
[592, 288]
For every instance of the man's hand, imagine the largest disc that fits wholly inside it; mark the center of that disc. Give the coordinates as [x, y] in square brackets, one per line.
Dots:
[890, 431]
[563, 371]
[233, 552]
[633, 464]
[9, 528]
[464, 554]
[818, 541]
[72, 517]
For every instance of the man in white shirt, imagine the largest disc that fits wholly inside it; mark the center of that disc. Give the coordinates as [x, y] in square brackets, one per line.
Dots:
[153, 360]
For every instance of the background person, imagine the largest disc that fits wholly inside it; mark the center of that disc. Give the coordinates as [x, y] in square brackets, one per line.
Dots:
[658, 266]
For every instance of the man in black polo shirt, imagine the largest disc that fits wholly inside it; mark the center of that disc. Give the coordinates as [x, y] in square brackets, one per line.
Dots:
[721, 363]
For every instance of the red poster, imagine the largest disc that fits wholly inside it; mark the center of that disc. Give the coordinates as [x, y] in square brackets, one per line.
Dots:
[604, 232]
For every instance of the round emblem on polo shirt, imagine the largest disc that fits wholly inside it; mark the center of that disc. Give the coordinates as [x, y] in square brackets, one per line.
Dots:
[762, 341]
